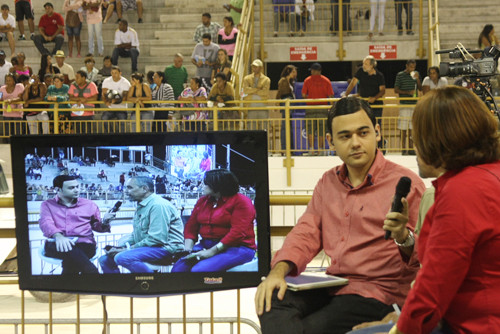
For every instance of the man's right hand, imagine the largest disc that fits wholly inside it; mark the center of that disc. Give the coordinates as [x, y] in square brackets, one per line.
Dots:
[63, 244]
[275, 280]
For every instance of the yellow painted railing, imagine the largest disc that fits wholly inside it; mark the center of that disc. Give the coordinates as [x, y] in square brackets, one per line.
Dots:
[339, 18]
[24, 321]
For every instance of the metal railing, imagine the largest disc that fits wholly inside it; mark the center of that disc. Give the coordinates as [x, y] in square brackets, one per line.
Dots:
[340, 18]
[244, 45]
[158, 324]
[290, 131]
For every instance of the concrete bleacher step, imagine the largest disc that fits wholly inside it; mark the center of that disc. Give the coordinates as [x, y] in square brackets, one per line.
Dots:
[462, 21]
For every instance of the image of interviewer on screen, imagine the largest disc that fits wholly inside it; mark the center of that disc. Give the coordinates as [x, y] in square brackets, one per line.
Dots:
[68, 221]
[157, 231]
[224, 219]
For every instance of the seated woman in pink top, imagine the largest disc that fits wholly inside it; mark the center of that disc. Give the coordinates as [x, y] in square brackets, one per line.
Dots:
[12, 105]
[227, 36]
[19, 67]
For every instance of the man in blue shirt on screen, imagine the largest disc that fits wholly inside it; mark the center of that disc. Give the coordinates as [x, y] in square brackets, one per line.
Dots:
[158, 231]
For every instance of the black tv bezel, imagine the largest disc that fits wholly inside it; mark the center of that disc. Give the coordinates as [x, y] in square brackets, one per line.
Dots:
[156, 284]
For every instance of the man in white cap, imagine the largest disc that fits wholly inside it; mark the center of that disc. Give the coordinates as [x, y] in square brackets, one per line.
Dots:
[256, 87]
[65, 69]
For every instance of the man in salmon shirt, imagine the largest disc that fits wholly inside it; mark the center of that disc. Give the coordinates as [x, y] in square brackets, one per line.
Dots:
[347, 218]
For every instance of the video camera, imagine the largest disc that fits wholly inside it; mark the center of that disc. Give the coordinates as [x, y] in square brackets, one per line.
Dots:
[475, 73]
[483, 67]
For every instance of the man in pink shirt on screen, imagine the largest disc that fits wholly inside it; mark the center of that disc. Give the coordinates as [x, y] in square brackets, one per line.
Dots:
[347, 218]
[68, 221]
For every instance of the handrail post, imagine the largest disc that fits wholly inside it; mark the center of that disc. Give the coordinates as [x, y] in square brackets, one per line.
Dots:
[261, 21]
[340, 11]
[216, 117]
[137, 117]
[56, 117]
[421, 50]
[288, 162]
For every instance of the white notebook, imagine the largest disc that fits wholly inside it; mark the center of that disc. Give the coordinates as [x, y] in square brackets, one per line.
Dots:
[306, 281]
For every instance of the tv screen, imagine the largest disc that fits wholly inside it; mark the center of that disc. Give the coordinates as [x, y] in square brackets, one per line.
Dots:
[141, 214]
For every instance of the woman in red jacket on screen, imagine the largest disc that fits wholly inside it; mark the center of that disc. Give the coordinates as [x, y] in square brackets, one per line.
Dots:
[458, 287]
[224, 219]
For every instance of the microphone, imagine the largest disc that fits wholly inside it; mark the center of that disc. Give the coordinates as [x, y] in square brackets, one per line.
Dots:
[116, 207]
[402, 190]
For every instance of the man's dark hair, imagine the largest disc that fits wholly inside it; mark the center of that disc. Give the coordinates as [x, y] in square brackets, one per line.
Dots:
[206, 36]
[222, 181]
[347, 106]
[435, 68]
[411, 61]
[60, 179]
[48, 4]
[221, 75]
[144, 181]
[115, 67]
[125, 22]
[82, 73]
[106, 58]
[207, 15]
[4, 6]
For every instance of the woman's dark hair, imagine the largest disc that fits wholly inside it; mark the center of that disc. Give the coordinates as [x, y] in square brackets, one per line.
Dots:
[44, 62]
[149, 76]
[287, 70]
[347, 106]
[138, 76]
[485, 32]
[221, 75]
[230, 19]
[10, 75]
[23, 78]
[161, 74]
[14, 61]
[197, 80]
[222, 181]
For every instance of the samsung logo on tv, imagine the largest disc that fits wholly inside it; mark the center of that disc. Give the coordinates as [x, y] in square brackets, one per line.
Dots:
[212, 280]
[144, 278]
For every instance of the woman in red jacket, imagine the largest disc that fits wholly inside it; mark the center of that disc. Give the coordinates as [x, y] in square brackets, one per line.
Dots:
[224, 219]
[458, 286]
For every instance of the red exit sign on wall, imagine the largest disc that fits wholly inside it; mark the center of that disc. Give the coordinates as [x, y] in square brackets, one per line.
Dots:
[383, 51]
[303, 53]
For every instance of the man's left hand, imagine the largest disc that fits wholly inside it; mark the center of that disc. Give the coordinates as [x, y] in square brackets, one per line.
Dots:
[396, 223]
[371, 99]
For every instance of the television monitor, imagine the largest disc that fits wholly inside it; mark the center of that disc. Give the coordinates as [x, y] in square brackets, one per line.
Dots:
[100, 163]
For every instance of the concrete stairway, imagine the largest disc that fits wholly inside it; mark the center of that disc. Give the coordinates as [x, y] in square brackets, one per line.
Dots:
[462, 21]
[167, 29]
